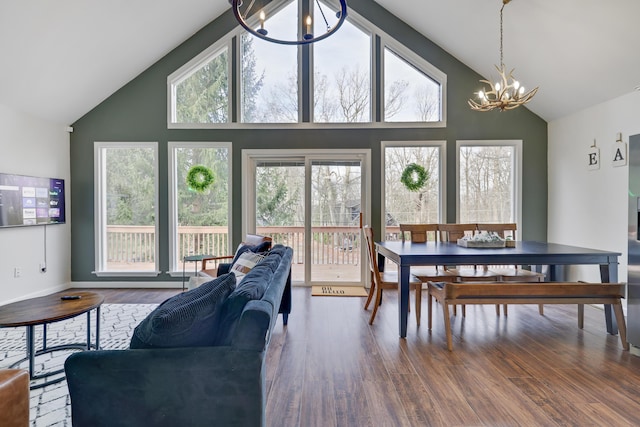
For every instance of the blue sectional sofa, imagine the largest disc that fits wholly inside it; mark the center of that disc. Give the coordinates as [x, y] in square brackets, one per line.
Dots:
[186, 369]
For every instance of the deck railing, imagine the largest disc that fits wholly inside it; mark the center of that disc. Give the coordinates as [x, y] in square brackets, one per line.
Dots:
[330, 245]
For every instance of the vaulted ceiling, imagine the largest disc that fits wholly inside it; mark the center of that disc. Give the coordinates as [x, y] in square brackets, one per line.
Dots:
[59, 59]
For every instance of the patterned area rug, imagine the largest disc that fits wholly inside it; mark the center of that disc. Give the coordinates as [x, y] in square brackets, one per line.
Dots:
[50, 405]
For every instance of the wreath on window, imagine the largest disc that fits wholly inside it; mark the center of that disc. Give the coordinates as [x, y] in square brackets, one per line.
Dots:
[414, 177]
[199, 178]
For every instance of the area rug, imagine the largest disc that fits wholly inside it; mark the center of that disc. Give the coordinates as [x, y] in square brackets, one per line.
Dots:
[50, 405]
[338, 291]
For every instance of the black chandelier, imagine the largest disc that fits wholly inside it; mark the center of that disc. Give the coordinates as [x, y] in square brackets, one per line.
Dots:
[307, 33]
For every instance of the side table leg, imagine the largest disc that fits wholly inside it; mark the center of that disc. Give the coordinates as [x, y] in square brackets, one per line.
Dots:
[89, 330]
[31, 353]
[98, 328]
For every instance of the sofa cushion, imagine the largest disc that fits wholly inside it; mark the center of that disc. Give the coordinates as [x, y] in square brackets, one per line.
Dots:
[189, 319]
[252, 287]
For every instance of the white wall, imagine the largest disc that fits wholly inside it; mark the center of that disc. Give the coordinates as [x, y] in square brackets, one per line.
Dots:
[30, 146]
[589, 207]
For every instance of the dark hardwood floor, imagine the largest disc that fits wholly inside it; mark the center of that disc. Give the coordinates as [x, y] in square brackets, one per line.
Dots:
[328, 367]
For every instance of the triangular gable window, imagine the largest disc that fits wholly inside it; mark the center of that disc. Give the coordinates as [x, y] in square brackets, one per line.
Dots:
[345, 86]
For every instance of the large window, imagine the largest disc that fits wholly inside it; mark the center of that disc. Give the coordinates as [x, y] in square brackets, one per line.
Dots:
[126, 208]
[410, 94]
[489, 181]
[269, 73]
[329, 82]
[200, 94]
[199, 219]
[342, 73]
[402, 205]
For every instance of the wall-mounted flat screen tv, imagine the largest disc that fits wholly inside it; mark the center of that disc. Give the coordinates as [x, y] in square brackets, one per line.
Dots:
[30, 200]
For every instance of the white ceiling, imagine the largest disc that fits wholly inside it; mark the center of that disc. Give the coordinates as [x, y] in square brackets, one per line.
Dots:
[59, 59]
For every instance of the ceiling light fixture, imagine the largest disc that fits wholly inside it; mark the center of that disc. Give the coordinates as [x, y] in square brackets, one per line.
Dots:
[305, 28]
[505, 94]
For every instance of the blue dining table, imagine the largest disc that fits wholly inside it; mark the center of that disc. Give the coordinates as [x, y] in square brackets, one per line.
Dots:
[535, 254]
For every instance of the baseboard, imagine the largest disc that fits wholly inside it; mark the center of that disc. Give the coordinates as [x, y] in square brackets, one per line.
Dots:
[125, 284]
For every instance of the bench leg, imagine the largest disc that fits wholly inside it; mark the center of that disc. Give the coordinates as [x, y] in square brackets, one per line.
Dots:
[429, 307]
[497, 309]
[418, 303]
[541, 309]
[447, 325]
[580, 316]
[622, 326]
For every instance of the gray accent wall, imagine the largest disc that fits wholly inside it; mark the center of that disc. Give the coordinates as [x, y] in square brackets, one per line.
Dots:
[138, 112]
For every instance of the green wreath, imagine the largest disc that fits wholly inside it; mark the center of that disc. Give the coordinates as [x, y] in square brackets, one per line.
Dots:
[414, 177]
[199, 178]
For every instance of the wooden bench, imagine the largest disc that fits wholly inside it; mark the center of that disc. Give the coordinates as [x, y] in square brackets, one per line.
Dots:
[529, 293]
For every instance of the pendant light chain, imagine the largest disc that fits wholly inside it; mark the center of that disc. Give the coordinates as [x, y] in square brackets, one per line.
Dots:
[249, 9]
[322, 13]
[501, 31]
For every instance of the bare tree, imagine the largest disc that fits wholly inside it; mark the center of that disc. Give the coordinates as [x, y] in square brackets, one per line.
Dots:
[354, 91]
[428, 104]
[395, 97]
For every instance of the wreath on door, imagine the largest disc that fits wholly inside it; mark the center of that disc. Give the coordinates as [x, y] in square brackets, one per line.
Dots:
[414, 177]
[199, 178]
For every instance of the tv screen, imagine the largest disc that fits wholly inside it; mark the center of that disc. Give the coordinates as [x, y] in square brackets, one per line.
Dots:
[30, 200]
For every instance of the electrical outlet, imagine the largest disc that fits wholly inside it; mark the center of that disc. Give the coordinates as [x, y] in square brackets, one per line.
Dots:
[17, 272]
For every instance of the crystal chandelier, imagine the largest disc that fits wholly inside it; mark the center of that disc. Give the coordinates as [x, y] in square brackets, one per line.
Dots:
[505, 94]
[306, 30]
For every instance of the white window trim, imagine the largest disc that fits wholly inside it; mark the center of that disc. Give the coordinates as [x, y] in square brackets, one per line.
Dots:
[187, 70]
[176, 265]
[442, 179]
[100, 218]
[517, 176]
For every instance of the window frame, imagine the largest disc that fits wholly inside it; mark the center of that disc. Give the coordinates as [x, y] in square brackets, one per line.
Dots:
[100, 226]
[191, 67]
[176, 268]
[442, 168]
[517, 173]
[424, 67]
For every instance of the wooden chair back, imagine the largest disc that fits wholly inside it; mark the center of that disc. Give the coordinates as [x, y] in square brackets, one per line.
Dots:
[503, 229]
[371, 251]
[453, 232]
[419, 233]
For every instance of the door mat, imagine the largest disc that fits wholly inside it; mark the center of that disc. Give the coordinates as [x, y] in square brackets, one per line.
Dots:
[338, 291]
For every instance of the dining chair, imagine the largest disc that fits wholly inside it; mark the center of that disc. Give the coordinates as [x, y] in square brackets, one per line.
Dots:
[465, 273]
[511, 273]
[421, 233]
[385, 279]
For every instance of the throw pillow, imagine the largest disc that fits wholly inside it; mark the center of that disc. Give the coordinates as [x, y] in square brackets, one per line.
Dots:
[242, 248]
[245, 262]
[189, 319]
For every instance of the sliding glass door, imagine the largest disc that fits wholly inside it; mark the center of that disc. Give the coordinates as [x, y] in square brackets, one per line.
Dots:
[313, 201]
